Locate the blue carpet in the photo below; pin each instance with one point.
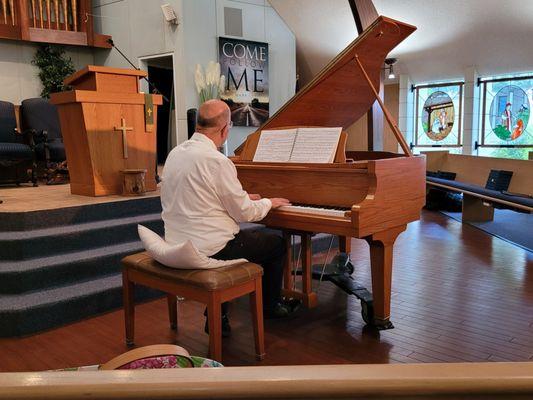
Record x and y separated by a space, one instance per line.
508 225
59 266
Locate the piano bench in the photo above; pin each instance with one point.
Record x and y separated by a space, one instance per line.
209 286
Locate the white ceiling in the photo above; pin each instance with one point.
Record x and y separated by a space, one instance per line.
492 35
322 29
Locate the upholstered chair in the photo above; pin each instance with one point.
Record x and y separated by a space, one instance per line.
17 159
40 117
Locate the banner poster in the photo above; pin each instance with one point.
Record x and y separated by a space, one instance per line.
245 67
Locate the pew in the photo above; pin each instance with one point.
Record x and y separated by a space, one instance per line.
472 173
377 381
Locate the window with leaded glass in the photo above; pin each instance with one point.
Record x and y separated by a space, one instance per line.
438 115
506 129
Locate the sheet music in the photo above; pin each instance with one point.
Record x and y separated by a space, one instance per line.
275 146
315 145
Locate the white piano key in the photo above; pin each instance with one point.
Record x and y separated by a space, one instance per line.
313 210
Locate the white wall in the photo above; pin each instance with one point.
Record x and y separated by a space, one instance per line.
18 77
138 28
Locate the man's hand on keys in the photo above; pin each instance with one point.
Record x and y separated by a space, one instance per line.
279 202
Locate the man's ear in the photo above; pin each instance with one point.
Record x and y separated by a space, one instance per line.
225 133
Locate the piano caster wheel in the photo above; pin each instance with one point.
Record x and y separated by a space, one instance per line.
367 312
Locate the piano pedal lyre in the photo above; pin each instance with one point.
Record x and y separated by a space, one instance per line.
339 272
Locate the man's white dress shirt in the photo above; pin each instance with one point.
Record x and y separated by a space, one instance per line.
202 198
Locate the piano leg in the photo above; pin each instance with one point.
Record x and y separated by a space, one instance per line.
308 297
288 277
381 250
345 244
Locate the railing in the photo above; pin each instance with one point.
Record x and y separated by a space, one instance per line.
7 13
53 15
396 381
50 21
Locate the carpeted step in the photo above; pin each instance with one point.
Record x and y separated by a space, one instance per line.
61 269
64 239
33 312
42 219
65 273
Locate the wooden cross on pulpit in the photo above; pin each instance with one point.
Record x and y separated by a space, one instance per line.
124 130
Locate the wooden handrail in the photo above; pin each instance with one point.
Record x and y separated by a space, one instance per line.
391 381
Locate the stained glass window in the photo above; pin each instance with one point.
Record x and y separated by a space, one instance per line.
439 115
506 128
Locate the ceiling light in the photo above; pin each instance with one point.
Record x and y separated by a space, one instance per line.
390 62
391 73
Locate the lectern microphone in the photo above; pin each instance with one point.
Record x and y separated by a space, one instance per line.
150 84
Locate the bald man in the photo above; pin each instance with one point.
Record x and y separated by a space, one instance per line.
204 201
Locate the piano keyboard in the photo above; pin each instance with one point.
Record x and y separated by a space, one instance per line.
316 210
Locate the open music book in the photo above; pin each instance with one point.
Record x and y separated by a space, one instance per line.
299 145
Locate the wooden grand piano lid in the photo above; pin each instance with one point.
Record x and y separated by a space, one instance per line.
339 95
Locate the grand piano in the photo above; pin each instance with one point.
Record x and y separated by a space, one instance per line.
366 195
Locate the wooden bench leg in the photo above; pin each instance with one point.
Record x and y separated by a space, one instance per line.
172 301
256 304
474 210
128 292
214 317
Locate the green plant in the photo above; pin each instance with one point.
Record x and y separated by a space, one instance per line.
54 67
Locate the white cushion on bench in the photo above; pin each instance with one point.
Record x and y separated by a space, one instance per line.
181 256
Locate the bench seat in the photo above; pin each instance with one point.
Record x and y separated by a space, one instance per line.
524 203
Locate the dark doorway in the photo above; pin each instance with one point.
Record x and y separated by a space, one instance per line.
160 73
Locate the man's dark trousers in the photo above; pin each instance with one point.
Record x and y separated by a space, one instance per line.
266 249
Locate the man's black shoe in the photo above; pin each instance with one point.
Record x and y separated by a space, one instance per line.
226 328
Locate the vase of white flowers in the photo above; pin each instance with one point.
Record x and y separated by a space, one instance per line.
211 85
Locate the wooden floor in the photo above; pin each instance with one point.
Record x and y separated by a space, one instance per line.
458 295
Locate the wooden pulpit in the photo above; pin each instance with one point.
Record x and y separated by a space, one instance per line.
108 126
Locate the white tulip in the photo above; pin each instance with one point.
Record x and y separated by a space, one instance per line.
222 84
199 79
216 74
210 73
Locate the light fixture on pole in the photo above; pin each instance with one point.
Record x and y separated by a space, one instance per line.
390 62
